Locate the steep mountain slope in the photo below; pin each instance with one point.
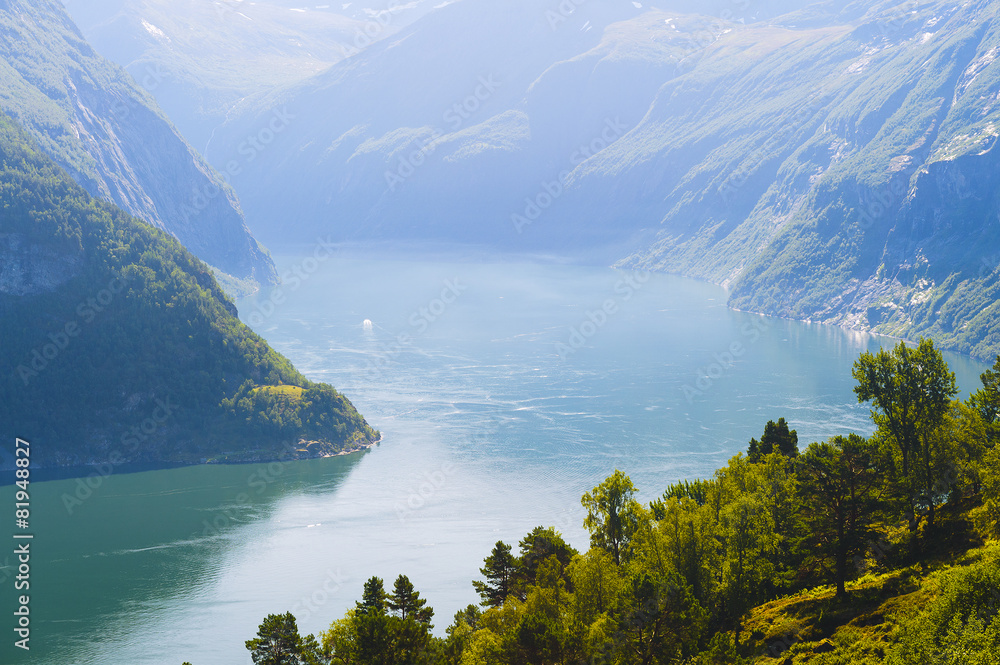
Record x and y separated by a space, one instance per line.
118 344
210 55
108 134
842 174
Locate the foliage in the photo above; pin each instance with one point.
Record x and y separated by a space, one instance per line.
612 515
500 571
800 557
961 625
986 400
407 602
910 391
777 438
838 484
278 643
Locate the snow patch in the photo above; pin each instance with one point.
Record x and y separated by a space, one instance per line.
154 31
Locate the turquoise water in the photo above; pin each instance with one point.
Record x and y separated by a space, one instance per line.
504 389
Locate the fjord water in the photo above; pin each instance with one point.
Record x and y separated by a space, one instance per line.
504 389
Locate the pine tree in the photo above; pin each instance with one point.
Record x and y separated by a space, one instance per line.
407 603
372 624
499 571
778 438
277 642
839 488
373 599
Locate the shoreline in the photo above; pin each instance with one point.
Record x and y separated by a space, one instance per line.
43 474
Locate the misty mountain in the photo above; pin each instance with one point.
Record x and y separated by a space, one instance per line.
442 130
107 132
832 163
202 58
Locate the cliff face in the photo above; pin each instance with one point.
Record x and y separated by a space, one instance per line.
877 208
108 134
30 269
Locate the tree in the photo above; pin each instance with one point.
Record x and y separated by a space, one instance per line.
684 539
838 483
777 438
661 622
373 638
747 529
539 545
373 598
499 571
910 391
340 640
987 516
407 603
459 632
986 400
612 514
597 584
278 643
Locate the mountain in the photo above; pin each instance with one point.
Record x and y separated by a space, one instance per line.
828 162
109 135
202 58
442 130
119 345
840 169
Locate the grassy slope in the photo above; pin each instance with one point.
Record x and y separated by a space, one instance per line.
866 627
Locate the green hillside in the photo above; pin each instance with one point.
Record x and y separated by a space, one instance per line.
118 343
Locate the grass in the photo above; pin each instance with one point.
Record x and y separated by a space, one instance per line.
293 392
814 626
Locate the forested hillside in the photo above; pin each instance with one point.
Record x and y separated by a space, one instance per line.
119 345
